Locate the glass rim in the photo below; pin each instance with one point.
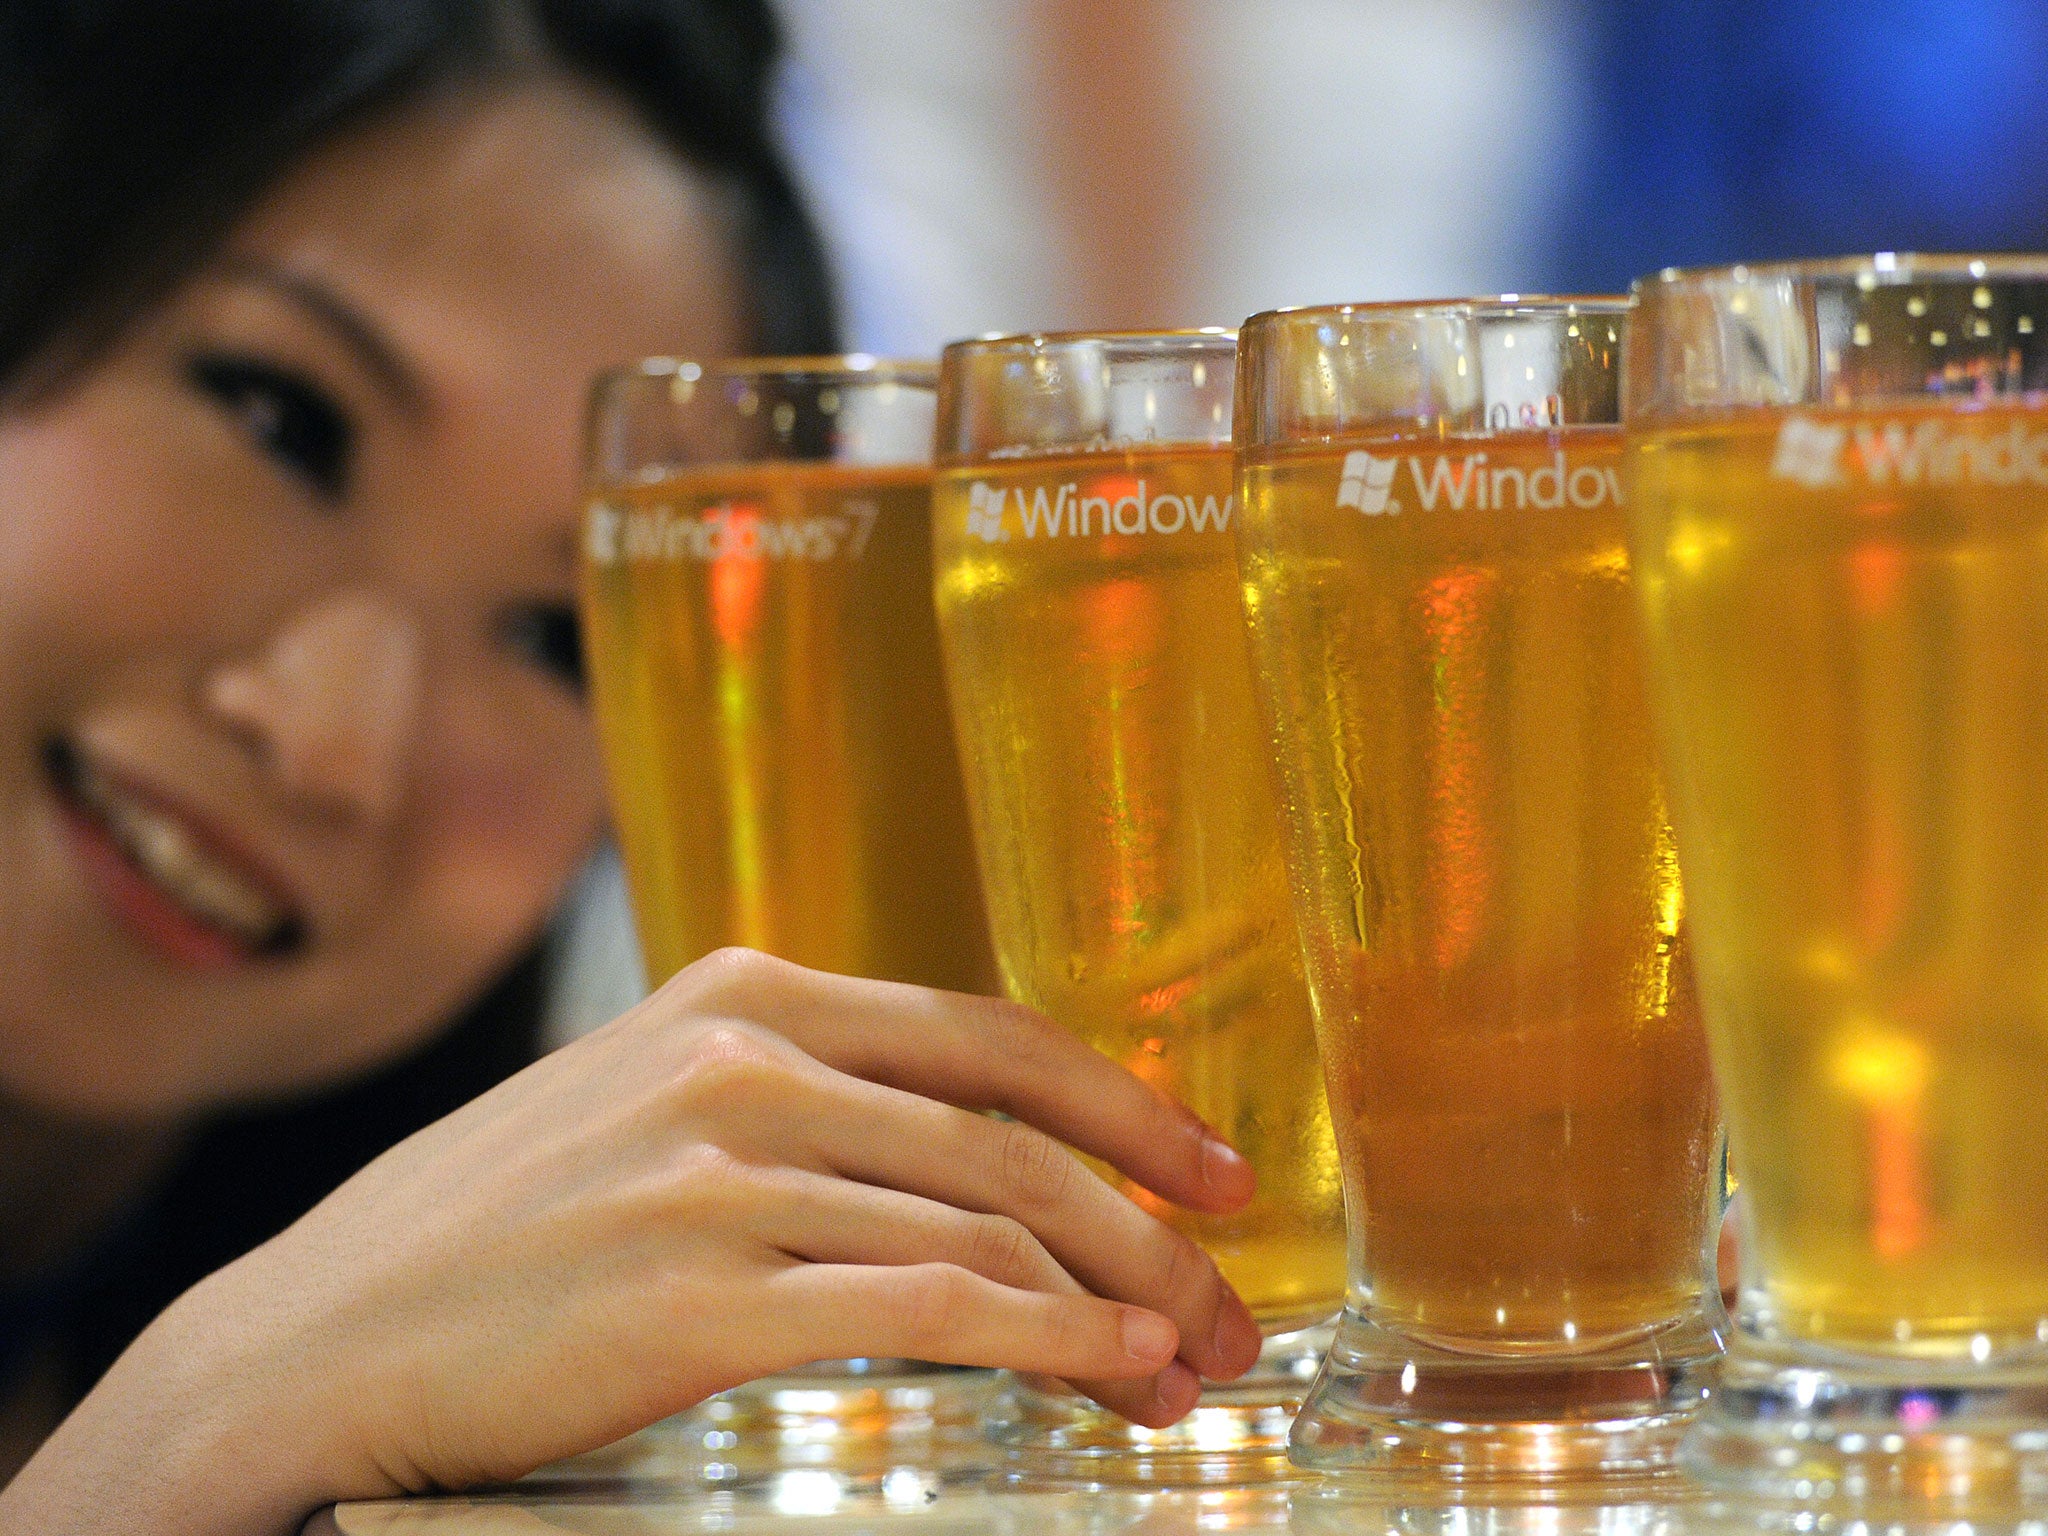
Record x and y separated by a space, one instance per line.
839 367
1883 266
1497 304
1018 341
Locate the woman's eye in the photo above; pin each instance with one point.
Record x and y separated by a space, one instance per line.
291 418
548 636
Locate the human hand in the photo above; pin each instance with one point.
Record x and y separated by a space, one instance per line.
759 1167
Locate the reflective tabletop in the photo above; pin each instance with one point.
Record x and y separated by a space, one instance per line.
809 1508
685 1476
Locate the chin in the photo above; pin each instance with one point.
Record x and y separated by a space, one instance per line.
174 1061
64 1080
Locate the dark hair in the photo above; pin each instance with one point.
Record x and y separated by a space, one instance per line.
134 133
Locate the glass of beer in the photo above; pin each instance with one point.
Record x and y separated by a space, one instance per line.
1438 592
1123 807
764 664
1840 514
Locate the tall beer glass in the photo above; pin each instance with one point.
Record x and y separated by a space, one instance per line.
1439 601
1124 812
765 668
1840 511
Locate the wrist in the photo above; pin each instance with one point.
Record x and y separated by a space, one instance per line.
204 1424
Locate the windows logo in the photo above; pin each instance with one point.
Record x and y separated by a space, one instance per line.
1366 482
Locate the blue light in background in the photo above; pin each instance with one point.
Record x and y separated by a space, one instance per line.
1722 131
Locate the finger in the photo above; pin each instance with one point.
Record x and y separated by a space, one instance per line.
1728 1254
827 1220
1162 1400
979 1053
824 1219
945 1313
884 1136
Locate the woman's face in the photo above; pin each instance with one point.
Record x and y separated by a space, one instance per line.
293 756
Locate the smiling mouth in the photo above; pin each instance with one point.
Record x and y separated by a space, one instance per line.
172 881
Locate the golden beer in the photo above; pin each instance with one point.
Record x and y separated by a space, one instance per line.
1439 597
1838 482
1128 834
1851 612
766 673
1488 888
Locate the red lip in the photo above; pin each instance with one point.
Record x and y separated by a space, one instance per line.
154 917
145 908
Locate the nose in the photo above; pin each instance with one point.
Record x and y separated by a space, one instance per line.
332 703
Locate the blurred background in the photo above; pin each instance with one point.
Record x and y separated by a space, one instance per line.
1034 164
1149 162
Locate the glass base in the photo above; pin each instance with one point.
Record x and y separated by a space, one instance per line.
1405 1413
856 1422
1344 1507
1048 1435
1879 1441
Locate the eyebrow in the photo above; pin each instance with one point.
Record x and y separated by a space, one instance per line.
380 357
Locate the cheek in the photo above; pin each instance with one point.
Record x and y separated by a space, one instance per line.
506 818
126 527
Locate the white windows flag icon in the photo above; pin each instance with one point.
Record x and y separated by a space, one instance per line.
1365 482
985 513
1809 452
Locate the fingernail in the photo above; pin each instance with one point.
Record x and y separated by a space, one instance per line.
1222 1164
1148 1336
1176 1390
